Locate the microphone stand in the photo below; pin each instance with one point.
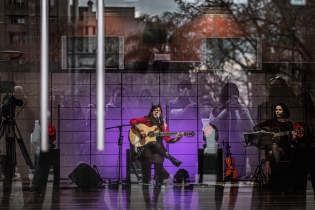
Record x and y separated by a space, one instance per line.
120 142
289 126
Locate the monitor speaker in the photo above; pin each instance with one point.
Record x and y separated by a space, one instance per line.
85 176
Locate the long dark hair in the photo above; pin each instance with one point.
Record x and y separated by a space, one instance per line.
307 101
150 116
224 97
286 112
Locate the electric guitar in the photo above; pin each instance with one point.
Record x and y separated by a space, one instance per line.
152 133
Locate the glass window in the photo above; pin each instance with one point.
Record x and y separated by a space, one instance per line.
51 21
205 62
17 19
51 3
17 2
18 38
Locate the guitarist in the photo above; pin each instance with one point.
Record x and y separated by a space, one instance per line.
153 152
278 151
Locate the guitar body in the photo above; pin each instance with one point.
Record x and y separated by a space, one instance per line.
135 136
152 133
273 131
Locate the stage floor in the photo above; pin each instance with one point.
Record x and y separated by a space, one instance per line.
241 195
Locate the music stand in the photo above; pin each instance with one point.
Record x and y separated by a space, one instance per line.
260 140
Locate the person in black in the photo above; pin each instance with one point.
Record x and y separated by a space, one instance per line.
153 152
25 122
278 151
304 152
281 92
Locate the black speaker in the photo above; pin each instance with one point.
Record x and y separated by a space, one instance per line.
85 176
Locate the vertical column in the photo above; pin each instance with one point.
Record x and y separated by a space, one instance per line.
3 44
76 11
44 70
100 75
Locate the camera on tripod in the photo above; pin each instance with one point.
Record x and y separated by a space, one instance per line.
9 102
9 106
9 128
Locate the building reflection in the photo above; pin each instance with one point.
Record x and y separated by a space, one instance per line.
195 58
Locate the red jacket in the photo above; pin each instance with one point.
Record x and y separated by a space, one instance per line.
164 128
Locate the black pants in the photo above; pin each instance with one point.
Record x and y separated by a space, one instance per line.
275 154
45 160
8 171
304 159
152 154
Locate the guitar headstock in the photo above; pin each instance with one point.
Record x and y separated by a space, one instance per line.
189 134
300 130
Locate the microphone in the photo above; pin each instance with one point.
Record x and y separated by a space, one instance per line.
278 113
158 117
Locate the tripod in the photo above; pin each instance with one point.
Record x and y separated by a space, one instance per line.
8 127
259 173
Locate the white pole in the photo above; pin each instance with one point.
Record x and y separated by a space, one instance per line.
100 76
44 70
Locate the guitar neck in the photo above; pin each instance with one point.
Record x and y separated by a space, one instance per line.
165 133
282 133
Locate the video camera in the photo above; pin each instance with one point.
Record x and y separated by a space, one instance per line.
8 107
9 102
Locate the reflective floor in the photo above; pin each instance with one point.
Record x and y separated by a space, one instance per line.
241 195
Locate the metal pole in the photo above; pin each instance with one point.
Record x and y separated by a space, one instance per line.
168 123
100 75
59 126
44 76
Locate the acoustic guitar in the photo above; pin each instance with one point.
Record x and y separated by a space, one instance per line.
152 133
275 133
